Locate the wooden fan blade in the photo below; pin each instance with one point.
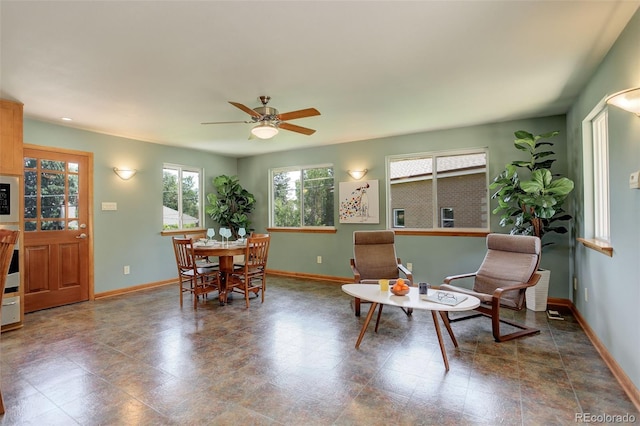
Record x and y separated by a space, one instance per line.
302 113
226 122
246 109
298 129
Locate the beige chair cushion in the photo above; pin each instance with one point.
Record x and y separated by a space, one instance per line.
375 254
520 254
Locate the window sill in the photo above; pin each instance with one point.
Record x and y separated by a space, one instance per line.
305 230
600 246
451 232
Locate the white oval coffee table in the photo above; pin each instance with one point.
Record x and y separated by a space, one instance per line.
373 294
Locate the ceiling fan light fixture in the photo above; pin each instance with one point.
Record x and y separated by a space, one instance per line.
264 130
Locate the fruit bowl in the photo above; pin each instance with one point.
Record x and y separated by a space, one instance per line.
403 284
401 292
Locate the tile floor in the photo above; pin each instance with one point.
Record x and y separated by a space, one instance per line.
139 359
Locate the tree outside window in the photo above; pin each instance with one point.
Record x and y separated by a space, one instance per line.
181 197
302 197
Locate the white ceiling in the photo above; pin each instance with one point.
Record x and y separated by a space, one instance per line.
154 70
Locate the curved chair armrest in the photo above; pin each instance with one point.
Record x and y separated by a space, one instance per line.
448 279
407 273
532 281
356 273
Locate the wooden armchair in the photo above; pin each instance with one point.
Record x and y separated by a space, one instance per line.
374 258
509 267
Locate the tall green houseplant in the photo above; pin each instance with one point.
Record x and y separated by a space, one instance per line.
532 206
231 204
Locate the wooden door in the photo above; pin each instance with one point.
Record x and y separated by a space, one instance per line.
57 237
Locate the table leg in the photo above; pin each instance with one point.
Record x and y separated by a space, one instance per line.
226 269
372 309
378 319
445 320
442 349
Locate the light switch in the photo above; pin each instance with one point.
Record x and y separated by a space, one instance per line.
111 205
634 182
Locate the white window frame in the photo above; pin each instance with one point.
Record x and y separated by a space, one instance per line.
180 168
396 217
444 220
435 155
595 149
296 169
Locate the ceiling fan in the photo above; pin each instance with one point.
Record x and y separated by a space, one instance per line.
269 120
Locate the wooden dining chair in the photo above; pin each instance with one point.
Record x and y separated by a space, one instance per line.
8 240
202 261
252 277
192 278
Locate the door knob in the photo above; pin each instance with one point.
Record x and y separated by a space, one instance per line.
81 236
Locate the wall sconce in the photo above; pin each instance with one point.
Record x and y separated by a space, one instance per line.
628 100
125 174
357 174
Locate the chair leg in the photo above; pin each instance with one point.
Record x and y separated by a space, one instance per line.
356 305
1 404
246 292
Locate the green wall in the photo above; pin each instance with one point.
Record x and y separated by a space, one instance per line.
433 258
613 283
130 235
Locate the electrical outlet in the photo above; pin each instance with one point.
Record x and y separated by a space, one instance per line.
586 294
319 259
126 270
575 283
410 266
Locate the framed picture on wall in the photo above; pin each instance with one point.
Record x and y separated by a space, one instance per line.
359 202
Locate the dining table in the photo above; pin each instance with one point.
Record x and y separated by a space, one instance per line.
225 252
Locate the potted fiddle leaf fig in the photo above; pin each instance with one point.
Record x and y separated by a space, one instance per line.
533 205
231 204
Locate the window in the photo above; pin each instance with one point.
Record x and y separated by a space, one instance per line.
596 173
446 217
181 197
428 187
302 196
398 218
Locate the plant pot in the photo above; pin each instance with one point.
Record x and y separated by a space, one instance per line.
536 296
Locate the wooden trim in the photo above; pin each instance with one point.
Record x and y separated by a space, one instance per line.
627 385
441 232
135 288
600 246
317 277
302 230
189 231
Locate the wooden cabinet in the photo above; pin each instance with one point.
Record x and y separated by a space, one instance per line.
10 138
11 167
